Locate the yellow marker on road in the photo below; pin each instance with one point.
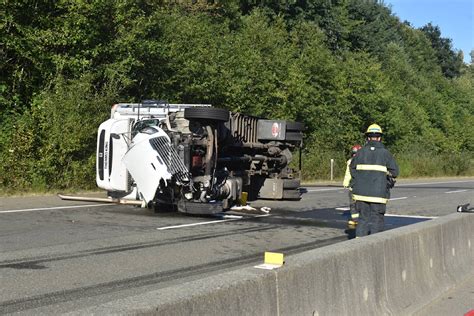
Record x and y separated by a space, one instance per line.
274 258
243 198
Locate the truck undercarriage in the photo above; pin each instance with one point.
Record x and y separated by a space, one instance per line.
195 158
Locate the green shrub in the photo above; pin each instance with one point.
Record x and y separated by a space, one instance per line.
316 164
435 165
52 146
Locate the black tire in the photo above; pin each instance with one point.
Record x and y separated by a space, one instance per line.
164 207
294 136
200 208
205 113
291 195
291 183
294 126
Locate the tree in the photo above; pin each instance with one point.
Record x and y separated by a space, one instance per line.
374 27
450 61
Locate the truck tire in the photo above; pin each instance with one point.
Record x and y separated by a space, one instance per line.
199 208
205 113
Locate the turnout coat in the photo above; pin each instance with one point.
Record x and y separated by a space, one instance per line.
369 170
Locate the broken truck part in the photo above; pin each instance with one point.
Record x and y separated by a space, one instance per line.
195 158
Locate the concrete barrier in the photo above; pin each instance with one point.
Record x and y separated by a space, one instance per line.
396 272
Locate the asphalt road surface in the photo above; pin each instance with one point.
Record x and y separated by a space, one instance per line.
58 256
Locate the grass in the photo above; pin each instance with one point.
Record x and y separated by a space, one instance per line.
421 165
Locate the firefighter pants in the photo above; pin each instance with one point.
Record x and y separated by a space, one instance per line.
352 205
371 218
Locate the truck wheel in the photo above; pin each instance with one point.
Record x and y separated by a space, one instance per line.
163 207
205 113
200 208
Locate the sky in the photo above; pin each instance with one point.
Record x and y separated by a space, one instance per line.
454 18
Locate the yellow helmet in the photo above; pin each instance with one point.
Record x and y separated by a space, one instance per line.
374 129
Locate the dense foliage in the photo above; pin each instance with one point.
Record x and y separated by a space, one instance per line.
336 65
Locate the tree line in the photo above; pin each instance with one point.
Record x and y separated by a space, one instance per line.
336 65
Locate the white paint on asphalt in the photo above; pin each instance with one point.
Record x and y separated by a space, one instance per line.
206 223
51 208
426 183
457 191
346 208
232 217
197 224
322 190
397 186
399 198
309 191
411 216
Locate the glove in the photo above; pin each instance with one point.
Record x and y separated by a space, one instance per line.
390 181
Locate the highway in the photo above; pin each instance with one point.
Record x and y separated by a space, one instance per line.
59 256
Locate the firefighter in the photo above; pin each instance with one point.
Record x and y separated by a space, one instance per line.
373 170
347 183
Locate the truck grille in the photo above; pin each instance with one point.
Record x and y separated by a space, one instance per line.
170 158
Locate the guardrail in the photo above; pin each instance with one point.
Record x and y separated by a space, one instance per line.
395 272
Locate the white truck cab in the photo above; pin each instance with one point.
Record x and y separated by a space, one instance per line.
115 138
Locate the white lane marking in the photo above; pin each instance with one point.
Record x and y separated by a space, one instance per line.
345 208
397 186
321 190
411 216
399 198
206 223
232 217
392 215
411 184
457 191
51 208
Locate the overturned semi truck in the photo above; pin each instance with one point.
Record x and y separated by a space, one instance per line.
195 158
